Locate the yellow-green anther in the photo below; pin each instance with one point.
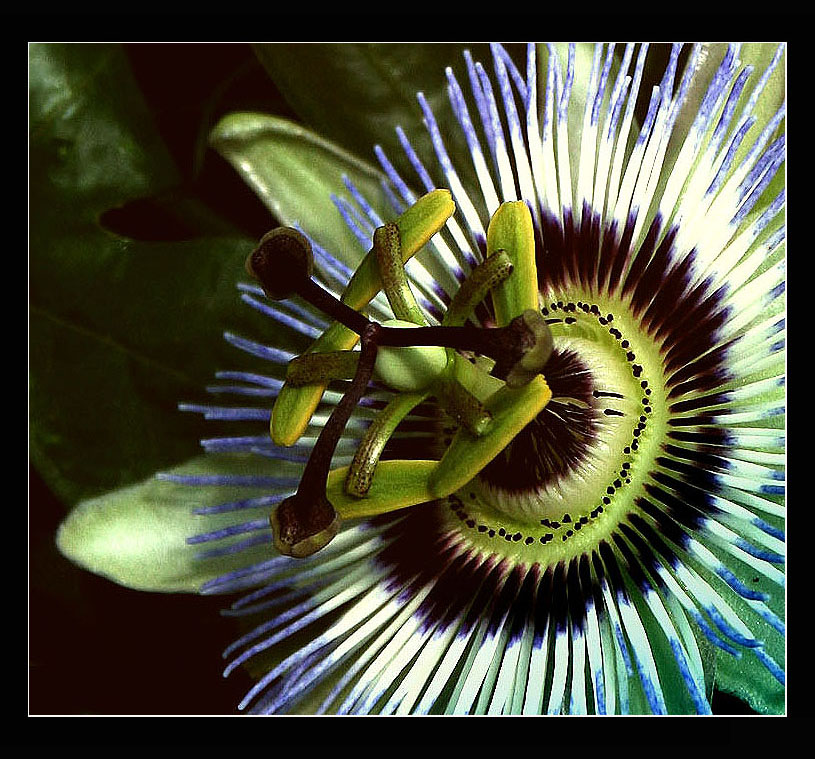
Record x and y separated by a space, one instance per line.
488 274
410 368
361 472
466 456
463 406
388 249
511 230
397 485
416 226
295 405
322 367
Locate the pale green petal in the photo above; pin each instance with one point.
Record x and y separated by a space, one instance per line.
136 536
295 172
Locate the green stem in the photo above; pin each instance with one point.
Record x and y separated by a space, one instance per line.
463 406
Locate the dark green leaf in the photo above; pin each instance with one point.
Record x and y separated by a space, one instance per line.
120 330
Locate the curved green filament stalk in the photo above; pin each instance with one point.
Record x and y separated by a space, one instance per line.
361 471
463 406
388 249
491 272
475 376
511 230
295 405
322 367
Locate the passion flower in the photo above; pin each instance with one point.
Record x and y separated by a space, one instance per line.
594 525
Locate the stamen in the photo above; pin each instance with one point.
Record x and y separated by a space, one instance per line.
521 349
417 225
283 264
306 521
474 289
464 407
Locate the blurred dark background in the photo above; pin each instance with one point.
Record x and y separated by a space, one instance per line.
97 647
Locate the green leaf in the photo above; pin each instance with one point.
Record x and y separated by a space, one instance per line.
136 536
120 330
87 137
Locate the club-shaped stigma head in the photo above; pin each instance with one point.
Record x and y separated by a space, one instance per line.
302 524
282 262
532 345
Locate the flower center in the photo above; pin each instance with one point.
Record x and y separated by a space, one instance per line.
566 480
519 349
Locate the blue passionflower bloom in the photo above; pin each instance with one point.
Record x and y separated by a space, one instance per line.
607 538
